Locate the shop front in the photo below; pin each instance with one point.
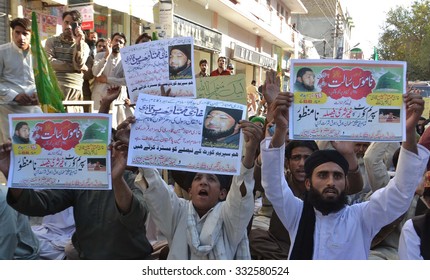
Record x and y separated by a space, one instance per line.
253 64
104 17
4 28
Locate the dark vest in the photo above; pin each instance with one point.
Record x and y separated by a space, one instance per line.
422 227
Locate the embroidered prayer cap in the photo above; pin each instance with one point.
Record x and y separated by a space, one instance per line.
322 156
257 119
185 178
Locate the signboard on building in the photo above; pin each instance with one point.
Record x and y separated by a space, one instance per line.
203 36
249 56
87 13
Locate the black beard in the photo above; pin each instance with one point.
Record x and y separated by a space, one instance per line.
212 135
176 70
326 206
24 140
115 49
311 88
91 43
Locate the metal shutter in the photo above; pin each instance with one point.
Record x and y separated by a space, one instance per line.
4 27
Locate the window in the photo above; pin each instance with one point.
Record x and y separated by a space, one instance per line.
101 20
117 21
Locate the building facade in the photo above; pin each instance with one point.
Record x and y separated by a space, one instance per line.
255 35
328 26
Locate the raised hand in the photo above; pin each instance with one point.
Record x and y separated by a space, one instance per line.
79 33
414 104
414 108
108 50
118 159
280 109
253 134
112 93
122 134
346 148
281 106
272 86
123 194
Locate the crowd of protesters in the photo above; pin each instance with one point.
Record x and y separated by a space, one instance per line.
292 199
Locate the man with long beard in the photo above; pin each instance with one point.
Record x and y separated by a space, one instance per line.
274 242
221 128
22 133
180 62
323 226
108 72
305 80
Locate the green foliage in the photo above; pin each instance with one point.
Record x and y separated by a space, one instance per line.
406 37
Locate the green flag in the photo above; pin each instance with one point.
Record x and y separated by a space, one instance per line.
375 53
48 91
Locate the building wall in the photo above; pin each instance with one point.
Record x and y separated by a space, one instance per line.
318 28
231 35
191 10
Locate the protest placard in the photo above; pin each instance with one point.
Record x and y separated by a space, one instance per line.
199 135
60 151
227 88
167 62
351 100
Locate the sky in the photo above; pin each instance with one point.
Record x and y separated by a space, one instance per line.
368 17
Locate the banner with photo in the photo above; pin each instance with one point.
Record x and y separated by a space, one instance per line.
60 151
187 134
349 100
167 62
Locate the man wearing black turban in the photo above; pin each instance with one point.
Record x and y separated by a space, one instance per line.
221 128
180 62
322 226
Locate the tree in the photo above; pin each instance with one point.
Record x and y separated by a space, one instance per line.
406 37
